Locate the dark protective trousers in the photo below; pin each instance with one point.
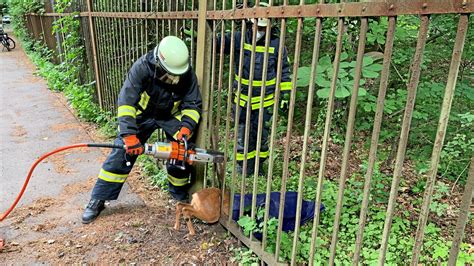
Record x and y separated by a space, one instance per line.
118 164
253 135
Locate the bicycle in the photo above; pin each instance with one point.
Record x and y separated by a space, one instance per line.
7 41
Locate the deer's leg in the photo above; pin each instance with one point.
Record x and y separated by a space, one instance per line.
188 212
179 209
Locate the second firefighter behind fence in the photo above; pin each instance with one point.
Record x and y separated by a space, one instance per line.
257 83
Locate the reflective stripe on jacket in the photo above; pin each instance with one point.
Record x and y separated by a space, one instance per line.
257 82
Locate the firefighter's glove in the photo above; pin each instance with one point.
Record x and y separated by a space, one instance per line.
285 102
133 145
184 132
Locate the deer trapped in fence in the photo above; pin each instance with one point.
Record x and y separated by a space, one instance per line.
205 205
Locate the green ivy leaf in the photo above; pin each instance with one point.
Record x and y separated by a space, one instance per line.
368 60
342 93
322 82
345 65
304 74
374 67
344 56
324 64
369 74
362 92
323 93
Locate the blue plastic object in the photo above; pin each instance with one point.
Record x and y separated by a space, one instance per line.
289 214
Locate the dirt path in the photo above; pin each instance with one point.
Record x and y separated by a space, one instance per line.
46 227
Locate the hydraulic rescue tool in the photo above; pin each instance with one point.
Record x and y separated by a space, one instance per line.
180 153
176 152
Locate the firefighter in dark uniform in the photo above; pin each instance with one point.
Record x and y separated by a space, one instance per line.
160 91
270 85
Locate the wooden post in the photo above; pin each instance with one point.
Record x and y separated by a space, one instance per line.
94 53
203 63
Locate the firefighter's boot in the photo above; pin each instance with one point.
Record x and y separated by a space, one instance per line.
92 210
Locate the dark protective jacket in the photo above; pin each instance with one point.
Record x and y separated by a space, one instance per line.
257 83
145 97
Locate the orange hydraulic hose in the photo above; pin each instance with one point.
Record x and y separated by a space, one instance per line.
25 184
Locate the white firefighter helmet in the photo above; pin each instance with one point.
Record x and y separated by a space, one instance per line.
262 22
172 54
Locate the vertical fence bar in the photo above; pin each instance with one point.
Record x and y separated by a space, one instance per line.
58 41
281 47
118 52
107 40
463 215
104 53
441 133
169 20
115 52
131 33
146 26
260 121
219 84
155 9
229 114
183 21
162 21
107 47
128 35
43 35
192 34
100 57
248 116
296 63
176 3
123 44
237 111
412 86
348 139
121 47
221 171
210 126
285 164
136 26
112 55
63 37
139 24
375 135
237 116
327 129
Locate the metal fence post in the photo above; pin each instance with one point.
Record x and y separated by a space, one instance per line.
203 63
463 215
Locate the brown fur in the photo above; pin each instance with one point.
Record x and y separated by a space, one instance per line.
205 205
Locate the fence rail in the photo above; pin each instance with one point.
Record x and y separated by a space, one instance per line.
116 33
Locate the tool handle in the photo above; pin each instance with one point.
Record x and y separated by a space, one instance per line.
106 145
185 157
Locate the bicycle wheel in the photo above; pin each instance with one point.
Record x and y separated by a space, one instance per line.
11 43
6 44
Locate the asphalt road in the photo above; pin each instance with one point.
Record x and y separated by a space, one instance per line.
33 121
